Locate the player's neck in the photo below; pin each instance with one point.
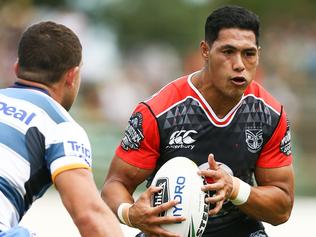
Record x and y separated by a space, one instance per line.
55 90
220 104
32 85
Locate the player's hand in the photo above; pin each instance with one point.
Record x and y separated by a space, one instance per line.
146 218
221 185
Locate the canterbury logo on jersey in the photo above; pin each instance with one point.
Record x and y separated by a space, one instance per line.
182 139
16 113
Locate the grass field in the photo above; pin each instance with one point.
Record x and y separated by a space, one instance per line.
48 218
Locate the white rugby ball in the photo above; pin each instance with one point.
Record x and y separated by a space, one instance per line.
179 181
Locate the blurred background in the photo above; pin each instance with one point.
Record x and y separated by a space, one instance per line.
131 48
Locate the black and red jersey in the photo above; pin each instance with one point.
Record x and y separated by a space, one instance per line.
177 121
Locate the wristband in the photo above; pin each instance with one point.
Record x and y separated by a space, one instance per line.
243 192
123 213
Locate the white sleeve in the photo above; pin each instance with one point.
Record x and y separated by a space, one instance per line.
67 147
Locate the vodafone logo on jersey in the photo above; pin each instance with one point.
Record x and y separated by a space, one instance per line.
182 139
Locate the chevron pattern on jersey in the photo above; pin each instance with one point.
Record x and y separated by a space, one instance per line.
253 113
188 112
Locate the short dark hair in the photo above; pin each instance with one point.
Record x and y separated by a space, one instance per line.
46 51
231 17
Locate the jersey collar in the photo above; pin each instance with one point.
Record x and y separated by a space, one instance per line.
25 86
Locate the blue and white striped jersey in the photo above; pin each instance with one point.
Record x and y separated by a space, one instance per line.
38 140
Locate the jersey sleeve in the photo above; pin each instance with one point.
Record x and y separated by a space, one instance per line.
278 151
67 148
140 144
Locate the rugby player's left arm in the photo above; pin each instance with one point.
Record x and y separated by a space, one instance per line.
272 200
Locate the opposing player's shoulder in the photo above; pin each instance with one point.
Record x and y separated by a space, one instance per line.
72 138
259 92
179 181
68 148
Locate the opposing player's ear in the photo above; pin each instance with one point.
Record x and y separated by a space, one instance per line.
16 67
205 49
71 76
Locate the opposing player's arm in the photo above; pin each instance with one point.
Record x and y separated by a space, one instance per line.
272 200
82 200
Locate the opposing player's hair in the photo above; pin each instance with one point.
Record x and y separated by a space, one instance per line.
231 17
46 51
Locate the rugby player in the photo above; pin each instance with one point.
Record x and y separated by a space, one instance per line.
40 143
226 123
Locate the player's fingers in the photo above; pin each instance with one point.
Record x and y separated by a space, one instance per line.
209 173
162 232
212 163
215 198
169 220
150 191
216 209
213 186
153 189
157 231
164 206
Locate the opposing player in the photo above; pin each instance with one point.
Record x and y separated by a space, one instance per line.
230 126
40 143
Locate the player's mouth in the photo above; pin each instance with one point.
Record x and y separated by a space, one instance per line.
239 81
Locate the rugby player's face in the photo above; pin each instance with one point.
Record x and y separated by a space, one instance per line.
232 60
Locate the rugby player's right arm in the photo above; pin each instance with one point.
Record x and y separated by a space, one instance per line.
120 184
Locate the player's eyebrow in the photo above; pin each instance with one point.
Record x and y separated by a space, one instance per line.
229 46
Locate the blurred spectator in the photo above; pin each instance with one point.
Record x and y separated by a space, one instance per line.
192 62
155 64
13 17
89 107
114 82
280 89
119 95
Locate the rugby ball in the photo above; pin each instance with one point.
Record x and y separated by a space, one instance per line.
179 181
